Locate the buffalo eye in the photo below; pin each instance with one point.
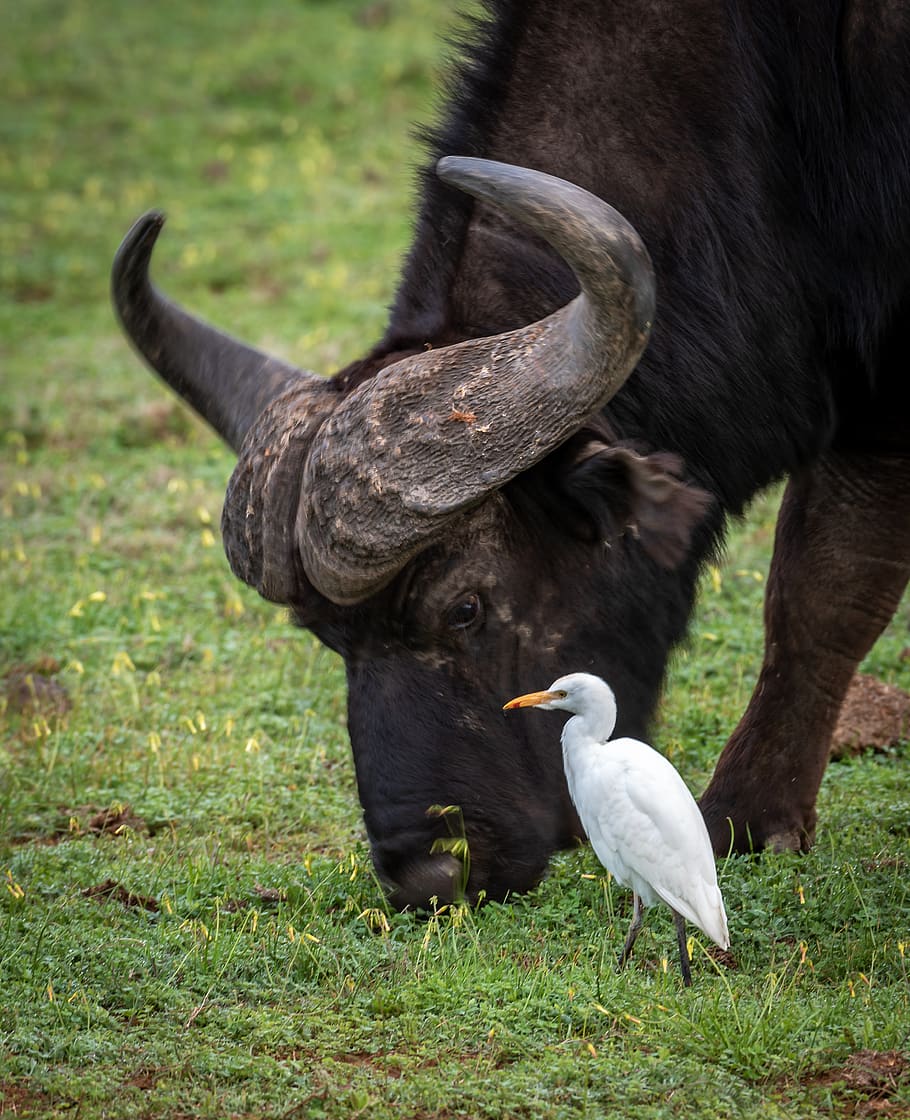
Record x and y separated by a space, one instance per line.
464 613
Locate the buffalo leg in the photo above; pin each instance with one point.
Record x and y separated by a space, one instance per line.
841 563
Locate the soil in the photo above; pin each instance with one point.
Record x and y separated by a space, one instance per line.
874 716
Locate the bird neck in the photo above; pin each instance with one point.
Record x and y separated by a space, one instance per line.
594 728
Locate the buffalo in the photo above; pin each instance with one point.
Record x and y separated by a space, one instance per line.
526 474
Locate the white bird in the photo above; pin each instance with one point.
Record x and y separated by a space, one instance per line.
639 815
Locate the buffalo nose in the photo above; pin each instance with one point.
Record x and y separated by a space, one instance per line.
439 877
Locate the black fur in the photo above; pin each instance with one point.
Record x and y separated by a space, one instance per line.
762 150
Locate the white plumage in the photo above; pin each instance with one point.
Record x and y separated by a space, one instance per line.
639 815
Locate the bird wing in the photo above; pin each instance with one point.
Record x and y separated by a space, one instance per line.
646 828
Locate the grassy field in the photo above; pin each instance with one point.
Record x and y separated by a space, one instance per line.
189 926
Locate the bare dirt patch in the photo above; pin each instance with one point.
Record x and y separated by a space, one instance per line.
874 716
866 1083
268 896
723 957
32 690
19 1099
113 821
87 820
111 889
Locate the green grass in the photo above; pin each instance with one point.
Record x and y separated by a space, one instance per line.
226 951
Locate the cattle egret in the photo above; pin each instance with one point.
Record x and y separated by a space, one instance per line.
640 817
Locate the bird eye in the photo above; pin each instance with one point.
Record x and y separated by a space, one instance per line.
464 613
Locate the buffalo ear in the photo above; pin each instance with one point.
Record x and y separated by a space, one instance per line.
622 491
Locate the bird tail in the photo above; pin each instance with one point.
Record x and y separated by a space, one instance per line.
708 913
716 927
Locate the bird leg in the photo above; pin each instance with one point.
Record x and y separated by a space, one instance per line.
634 929
682 941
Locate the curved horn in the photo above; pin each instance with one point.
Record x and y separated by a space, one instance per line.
265 409
225 381
431 436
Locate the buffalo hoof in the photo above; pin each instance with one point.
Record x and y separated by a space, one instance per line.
790 840
733 831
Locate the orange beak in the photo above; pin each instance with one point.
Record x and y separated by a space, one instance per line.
531 700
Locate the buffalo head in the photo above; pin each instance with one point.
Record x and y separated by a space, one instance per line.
456 526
